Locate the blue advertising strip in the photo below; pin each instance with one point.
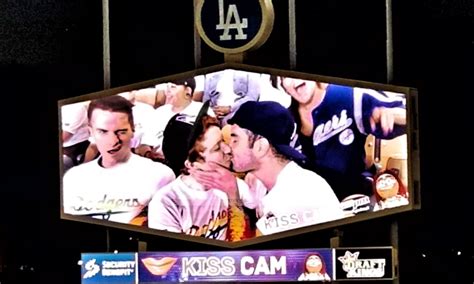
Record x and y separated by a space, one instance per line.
116 268
364 263
236 266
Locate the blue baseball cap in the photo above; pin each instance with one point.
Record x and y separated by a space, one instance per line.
272 121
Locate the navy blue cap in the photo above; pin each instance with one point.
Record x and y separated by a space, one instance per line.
272 121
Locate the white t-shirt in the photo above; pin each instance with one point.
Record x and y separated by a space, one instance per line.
153 135
184 206
117 194
299 198
74 120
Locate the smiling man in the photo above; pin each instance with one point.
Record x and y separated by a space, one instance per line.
118 185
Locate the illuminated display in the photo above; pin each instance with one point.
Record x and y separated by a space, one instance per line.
236 154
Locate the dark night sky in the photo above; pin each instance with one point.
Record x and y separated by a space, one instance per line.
50 50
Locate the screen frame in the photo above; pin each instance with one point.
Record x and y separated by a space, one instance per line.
413 160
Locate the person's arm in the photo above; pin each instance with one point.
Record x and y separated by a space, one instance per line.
142 149
66 135
386 119
382 115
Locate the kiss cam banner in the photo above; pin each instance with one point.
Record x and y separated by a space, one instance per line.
236 266
114 268
340 264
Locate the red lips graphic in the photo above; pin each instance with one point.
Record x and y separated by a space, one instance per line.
159 267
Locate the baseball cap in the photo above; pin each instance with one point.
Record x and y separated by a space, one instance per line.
272 121
179 136
188 82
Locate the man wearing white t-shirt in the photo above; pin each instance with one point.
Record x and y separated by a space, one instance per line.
261 133
118 185
178 100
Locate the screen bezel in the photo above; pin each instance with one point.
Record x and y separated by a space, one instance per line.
413 186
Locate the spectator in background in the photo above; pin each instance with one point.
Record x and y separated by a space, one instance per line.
179 95
334 122
118 185
74 133
227 90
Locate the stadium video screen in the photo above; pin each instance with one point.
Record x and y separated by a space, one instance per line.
236 154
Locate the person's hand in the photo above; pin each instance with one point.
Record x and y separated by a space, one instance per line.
221 111
387 117
217 177
155 156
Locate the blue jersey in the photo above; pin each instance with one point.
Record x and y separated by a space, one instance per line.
341 125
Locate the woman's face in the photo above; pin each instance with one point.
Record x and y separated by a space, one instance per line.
301 90
314 264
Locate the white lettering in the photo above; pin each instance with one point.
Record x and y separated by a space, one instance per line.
227 25
263 266
117 272
243 268
335 125
118 264
207 266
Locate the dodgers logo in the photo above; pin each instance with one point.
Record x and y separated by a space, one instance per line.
238 24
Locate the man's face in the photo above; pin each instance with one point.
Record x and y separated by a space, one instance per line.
174 91
301 90
215 150
112 133
243 158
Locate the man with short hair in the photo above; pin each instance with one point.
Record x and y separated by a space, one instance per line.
118 185
261 134
185 205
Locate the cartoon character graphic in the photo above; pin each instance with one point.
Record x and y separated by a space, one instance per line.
389 191
315 269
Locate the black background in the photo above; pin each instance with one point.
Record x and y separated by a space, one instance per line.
51 49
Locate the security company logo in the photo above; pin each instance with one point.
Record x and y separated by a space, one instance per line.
108 268
362 268
91 269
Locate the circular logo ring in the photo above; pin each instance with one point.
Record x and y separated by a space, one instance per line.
265 26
